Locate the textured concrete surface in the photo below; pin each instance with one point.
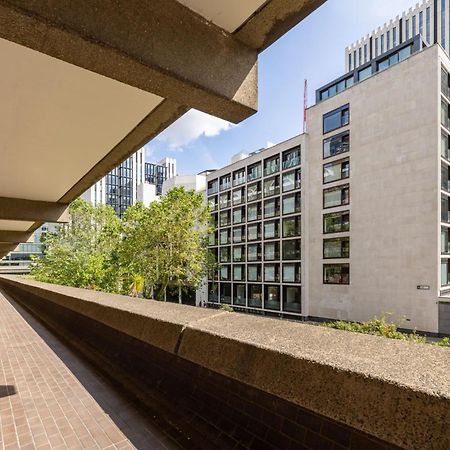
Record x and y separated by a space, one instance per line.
396 391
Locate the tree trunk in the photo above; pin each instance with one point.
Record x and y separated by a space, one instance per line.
179 295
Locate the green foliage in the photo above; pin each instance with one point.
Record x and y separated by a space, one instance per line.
82 253
381 327
137 285
226 308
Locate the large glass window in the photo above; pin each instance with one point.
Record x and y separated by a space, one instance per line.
271 229
254 252
445 177
272 186
225 273
225 236
445 276
445 208
254 272
225 182
239 215
407 29
225 200
292 273
336 248
225 293
443 26
271 208
254 192
445 147
365 73
271 273
239 177
225 218
254 171
239 272
238 196
213 292
291 180
254 211
428 26
292 250
292 203
255 295
445 247
335 171
212 202
213 238
225 254
292 299
445 83
271 165
239 294
336 274
292 226
213 187
336 119
239 234
291 158
239 253
337 196
254 232
336 222
395 58
272 297
271 251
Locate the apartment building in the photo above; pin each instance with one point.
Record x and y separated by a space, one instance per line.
350 220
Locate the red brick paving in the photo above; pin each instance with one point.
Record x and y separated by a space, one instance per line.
51 399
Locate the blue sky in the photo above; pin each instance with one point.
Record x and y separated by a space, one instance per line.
314 50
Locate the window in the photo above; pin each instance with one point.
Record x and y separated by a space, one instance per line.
388 40
212 201
213 187
336 222
254 252
336 144
225 293
271 208
336 119
292 273
421 23
254 192
213 293
225 237
292 180
335 171
238 177
292 226
225 254
336 274
254 211
382 44
336 88
349 61
394 37
271 273
238 196
225 200
407 29
272 186
404 53
428 25
445 246
271 165
239 294
255 295
291 158
414 25
445 208
239 215
445 114
225 273
365 53
254 232
445 176
272 297
354 58
239 234
376 46
292 299
271 229
254 272
292 203
337 196
336 248
443 24
238 272
271 251
225 182
292 250
365 73
254 172
225 218
359 56
213 238
445 148
445 83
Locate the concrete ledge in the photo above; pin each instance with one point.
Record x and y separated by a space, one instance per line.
396 391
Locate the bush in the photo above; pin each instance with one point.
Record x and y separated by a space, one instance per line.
226 308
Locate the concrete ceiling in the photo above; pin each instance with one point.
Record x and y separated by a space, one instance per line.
85 84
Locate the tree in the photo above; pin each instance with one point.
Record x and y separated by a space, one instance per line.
166 243
83 253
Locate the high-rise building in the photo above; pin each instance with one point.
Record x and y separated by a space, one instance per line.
352 219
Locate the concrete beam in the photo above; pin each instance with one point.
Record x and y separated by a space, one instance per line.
14 237
273 20
159 46
5 248
33 210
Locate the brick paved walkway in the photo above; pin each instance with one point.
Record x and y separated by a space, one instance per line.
51 399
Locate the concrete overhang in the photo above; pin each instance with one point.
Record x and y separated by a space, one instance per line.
85 84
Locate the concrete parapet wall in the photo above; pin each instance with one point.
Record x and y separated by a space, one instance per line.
396 393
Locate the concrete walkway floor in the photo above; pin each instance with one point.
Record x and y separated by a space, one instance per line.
51 399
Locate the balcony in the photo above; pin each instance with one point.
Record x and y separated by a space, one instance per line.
176 362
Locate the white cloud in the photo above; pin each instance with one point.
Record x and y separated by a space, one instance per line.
269 144
192 126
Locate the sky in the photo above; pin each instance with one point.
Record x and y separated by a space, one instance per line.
313 50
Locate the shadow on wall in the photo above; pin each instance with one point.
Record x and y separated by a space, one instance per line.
6 391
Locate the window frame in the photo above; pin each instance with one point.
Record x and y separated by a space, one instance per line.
340 110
